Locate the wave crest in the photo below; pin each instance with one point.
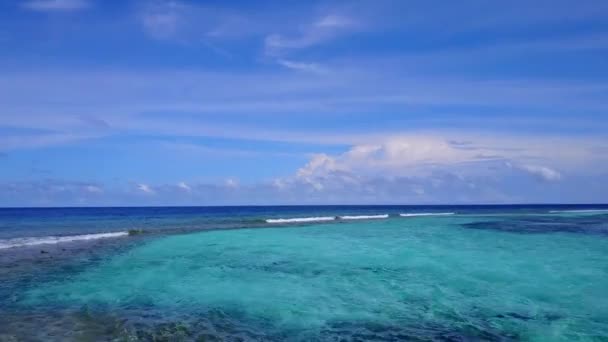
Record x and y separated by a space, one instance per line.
363 217
45 240
301 219
425 214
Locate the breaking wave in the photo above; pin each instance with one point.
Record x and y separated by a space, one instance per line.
301 219
44 240
326 218
363 217
425 214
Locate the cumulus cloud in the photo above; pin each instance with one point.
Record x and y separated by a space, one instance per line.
429 168
416 155
398 156
439 186
56 5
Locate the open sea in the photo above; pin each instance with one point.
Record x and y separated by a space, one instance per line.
305 273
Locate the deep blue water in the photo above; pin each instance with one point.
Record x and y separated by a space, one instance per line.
31 222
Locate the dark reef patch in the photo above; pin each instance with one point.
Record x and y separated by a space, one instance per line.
596 225
221 325
420 331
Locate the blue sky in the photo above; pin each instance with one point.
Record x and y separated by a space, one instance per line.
302 102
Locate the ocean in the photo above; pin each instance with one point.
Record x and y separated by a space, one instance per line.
305 273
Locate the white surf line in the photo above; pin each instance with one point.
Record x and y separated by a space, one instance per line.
45 240
425 214
579 211
362 217
301 219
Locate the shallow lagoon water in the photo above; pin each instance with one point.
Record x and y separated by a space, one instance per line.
449 278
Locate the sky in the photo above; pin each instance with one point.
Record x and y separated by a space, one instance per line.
134 103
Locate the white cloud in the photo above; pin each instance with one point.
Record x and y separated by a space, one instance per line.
279 183
401 155
320 162
427 159
321 30
336 21
301 66
56 5
93 189
542 172
184 186
145 188
232 183
320 168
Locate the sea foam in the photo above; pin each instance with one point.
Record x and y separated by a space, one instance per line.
44 240
425 214
363 217
301 219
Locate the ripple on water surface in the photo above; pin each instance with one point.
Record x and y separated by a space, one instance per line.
425 278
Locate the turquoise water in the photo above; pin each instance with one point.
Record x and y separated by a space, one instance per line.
537 277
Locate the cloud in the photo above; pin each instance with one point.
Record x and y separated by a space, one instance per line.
350 187
184 186
301 66
322 30
56 5
542 172
93 189
406 169
232 183
335 21
358 88
162 20
145 188
334 186
400 155
430 166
